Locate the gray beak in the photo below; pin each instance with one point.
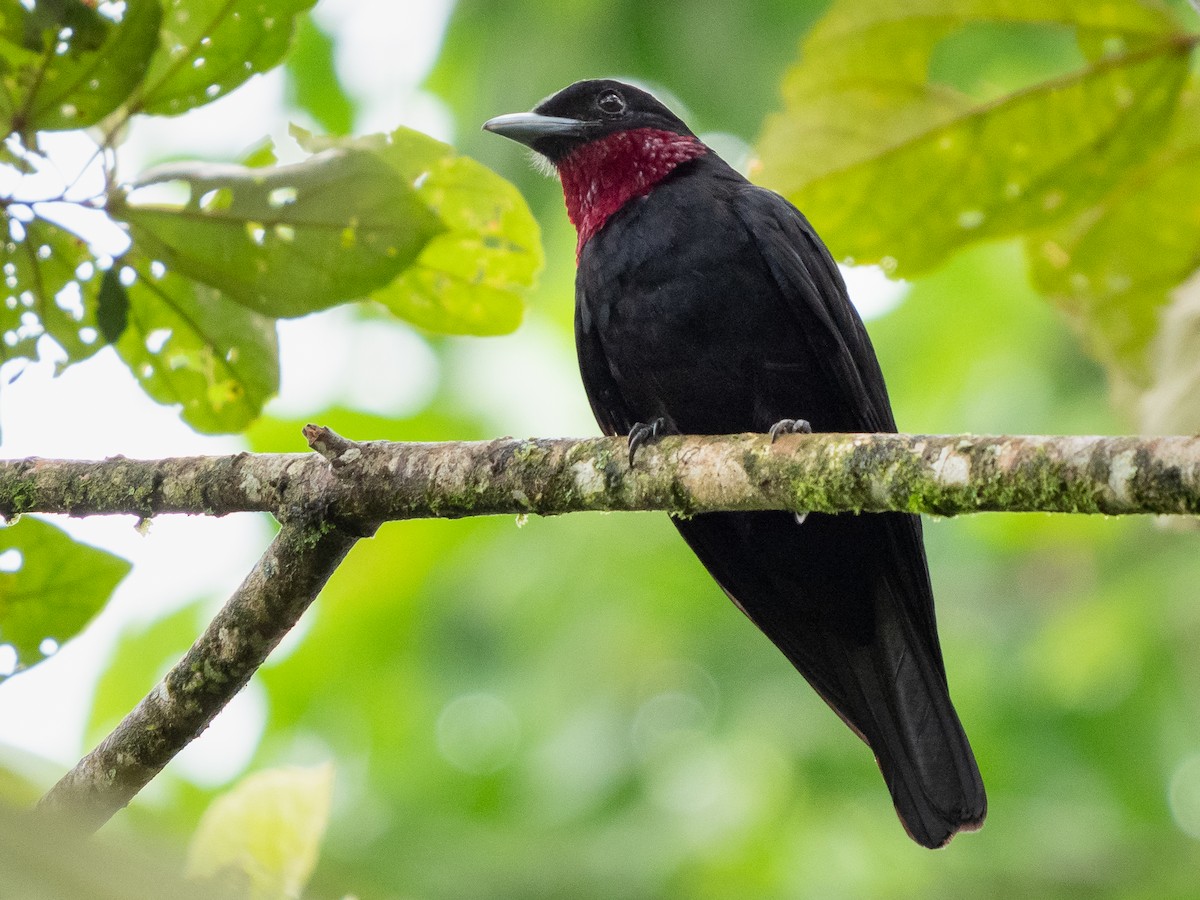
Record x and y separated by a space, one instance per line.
525 128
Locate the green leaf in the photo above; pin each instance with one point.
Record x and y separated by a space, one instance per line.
472 278
265 832
896 170
20 162
26 27
71 68
209 47
286 240
50 284
312 81
50 587
112 307
1113 268
188 344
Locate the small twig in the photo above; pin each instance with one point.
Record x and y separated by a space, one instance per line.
264 608
338 450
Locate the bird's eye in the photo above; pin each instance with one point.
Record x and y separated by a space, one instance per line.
611 102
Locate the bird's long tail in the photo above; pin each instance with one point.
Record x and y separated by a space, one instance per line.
895 699
847 600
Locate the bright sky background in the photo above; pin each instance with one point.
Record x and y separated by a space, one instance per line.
96 409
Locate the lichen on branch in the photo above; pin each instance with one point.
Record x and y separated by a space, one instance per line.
377 481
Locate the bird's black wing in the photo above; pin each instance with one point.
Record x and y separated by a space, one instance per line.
846 598
813 292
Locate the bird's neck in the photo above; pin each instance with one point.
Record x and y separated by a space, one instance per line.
600 177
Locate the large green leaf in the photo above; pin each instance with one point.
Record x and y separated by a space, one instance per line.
471 278
265 832
843 108
1113 267
892 168
69 66
209 47
286 240
188 344
50 285
50 587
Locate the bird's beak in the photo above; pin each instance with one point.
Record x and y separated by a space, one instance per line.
525 128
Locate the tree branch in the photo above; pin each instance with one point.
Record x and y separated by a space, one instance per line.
328 499
264 608
943 475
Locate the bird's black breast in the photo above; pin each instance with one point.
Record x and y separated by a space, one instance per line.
680 316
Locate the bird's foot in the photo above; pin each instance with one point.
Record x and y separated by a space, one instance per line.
642 433
789 426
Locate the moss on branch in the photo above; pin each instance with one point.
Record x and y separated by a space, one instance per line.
377 481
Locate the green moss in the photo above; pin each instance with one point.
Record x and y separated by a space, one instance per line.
23 498
213 675
141 497
680 500
526 452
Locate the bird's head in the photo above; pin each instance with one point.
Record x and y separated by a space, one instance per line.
609 143
586 112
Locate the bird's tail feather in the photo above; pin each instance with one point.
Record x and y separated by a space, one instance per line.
899 704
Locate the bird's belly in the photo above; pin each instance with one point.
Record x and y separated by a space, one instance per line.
707 361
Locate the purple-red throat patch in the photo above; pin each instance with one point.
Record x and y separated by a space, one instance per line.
602 176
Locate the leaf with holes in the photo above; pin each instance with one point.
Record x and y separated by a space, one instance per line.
50 587
286 240
188 344
266 831
891 168
473 277
209 47
50 284
71 71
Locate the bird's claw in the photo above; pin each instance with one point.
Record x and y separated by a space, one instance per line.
789 426
641 433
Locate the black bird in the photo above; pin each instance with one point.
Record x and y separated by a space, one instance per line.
707 305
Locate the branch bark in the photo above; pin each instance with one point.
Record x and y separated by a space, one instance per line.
942 475
286 579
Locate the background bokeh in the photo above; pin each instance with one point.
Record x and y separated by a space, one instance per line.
570 707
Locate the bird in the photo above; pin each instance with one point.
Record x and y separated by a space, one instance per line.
707 305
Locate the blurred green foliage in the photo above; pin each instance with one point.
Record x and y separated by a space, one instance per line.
445 243
1077 146
50 588
572 708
